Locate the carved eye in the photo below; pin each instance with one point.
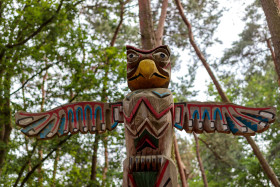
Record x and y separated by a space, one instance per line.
132 57
160 56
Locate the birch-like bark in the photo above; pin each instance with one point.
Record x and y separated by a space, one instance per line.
267 169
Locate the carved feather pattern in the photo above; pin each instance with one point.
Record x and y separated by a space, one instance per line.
224 118
74 117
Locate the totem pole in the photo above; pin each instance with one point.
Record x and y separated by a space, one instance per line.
149 114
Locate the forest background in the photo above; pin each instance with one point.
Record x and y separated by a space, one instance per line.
56 52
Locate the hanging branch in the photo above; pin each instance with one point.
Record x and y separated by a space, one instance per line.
26 163
267 169
113 41
38 30
180 164
214 152
199 54
45 158
48 155
200 161
33 76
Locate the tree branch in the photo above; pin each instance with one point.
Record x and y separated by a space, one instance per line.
45 158
266 167
199 54
38 30
181 167
273 56
200 161
160 27
32 77
112 43
214 152
26 163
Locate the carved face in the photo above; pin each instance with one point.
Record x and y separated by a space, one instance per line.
148 68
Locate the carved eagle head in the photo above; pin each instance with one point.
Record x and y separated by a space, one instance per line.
148 68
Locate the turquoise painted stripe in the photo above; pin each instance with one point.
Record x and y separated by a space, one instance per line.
195 112
77 113
71 111
88 107
178 126
61 126
215 113
231 125
254 127
46 130
114 125
207 113
161 95
37 123
257 117
95 112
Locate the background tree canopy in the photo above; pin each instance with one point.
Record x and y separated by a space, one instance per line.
58 51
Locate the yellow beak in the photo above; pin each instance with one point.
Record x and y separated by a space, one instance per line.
147 68
147 76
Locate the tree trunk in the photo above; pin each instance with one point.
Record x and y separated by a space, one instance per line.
160 27
271 9
106 165
40 170
94 158
267 169
5 115
149 37
200 161
270 173
55 167
180 163
146 24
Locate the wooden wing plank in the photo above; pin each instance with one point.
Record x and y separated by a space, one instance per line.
76 117
222 117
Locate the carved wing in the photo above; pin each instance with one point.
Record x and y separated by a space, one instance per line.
73 117
221 117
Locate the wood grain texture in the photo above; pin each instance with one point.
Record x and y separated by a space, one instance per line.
222 117
148 118
71 118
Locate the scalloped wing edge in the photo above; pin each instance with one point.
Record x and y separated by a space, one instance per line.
212 117
71 118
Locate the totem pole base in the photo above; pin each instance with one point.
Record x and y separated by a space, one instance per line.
149 171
